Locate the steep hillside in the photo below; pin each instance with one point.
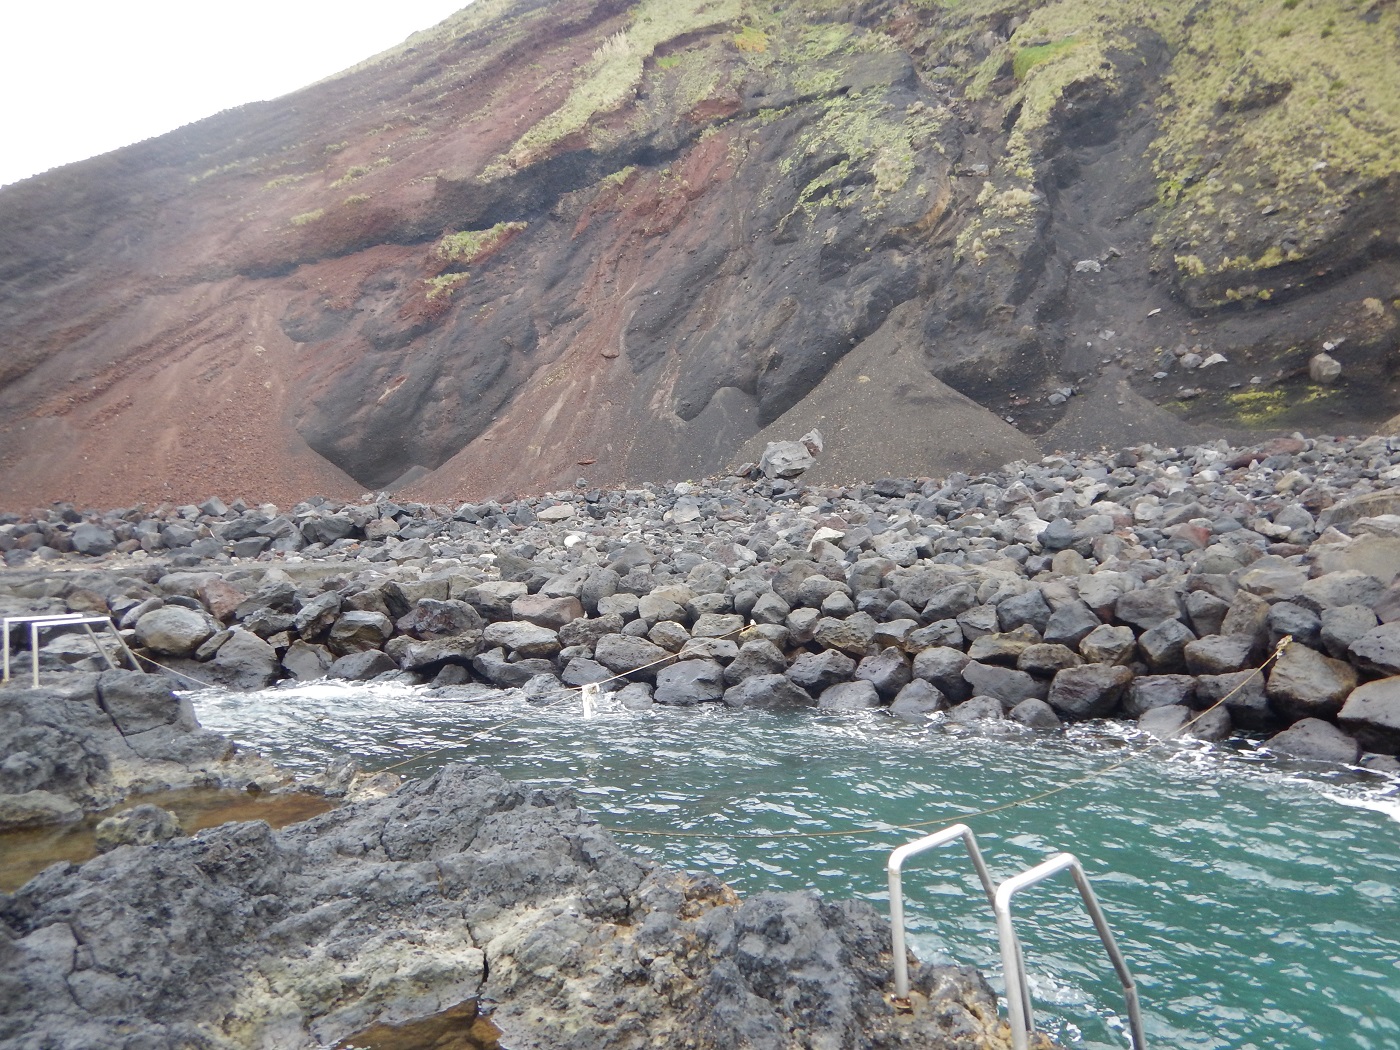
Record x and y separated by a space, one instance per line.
592 238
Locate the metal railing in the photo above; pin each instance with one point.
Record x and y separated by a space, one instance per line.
1018 997
37 624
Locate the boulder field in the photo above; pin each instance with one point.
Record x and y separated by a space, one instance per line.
1145 584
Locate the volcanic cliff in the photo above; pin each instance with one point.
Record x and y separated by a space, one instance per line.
629 241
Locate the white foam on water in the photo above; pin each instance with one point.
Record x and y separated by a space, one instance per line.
1389 806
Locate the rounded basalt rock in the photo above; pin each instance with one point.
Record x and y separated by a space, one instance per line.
1090 691
767 691
1305 684
173 631
888 671
1035 714
942 666
1372 714
757 656
361 666
1151 691
816 672
1109 645
1007 685
624 655
978 709
917 701
358 631
689 682
1313 739
522 638
849 696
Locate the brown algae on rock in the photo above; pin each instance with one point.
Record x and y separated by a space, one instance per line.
26 852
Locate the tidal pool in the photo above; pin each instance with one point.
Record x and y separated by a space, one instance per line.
1258 903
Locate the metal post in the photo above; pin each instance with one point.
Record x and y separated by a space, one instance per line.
34 650
1017 995
98 645
121 642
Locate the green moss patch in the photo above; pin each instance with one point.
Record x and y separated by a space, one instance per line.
611 78
467 247
1027 58
444 284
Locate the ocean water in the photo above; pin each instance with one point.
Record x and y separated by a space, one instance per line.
1258 904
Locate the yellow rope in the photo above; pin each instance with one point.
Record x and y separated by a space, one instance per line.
830 833
564 695
962 816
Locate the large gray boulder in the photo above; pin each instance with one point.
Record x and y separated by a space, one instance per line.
173 630
1242 693
358 630
92 540
849 696
1035 714
1221 653
1372 714
1163 647
917 700
622 654
1148 691
888 671
978 709
1315 740
689 682
1091 691
1174 721
361 666
769 691
758 656
789 459
434 617
1007 685
1379 649
1305 684
244 661
522 638
816 672
942 666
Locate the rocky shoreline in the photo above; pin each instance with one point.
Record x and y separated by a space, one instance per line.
456 889
1142 584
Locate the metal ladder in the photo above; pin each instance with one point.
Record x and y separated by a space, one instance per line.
1018 996
42 623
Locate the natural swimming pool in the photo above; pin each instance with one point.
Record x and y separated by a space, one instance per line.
1258 904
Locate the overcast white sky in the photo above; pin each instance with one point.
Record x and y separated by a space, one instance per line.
82 77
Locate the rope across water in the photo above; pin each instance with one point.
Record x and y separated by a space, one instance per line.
565 695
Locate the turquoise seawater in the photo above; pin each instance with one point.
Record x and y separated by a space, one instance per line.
1258 904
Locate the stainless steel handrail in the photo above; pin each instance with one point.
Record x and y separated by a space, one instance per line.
895 868
5 631
1017 996
39 623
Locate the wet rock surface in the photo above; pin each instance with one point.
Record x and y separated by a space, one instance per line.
463 886
85 741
